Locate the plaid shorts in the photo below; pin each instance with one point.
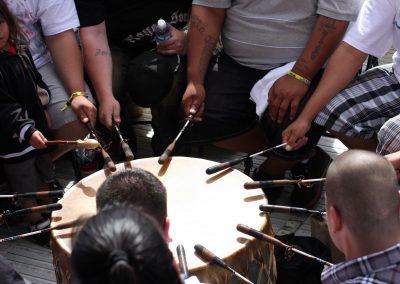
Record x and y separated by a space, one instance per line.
365 105
389 136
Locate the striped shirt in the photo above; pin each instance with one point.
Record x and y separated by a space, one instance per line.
381 267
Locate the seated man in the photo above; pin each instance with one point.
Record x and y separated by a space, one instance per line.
362 205
355 109
122 245
258 37
139 188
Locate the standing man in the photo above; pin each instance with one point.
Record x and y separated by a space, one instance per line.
258 37
117 37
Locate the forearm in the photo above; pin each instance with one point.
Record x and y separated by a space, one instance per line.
67 58
97 59
325 37
204 29
341 69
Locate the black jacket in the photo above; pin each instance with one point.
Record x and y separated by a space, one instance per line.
19 106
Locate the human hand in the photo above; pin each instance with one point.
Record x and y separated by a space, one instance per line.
193 101
37 140
295 133
394 158
176 44
285 95
84 109
109 110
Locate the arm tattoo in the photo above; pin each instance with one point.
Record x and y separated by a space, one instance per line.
326 27
100 52
209 42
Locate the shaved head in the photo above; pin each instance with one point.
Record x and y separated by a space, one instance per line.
363 187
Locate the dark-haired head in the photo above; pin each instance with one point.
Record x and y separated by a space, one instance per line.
122 245
135 187
7 16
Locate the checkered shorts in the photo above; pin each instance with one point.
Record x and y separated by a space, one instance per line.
389 136
365 105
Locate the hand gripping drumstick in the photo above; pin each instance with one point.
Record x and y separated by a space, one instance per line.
167 152
89 144
280 182
109 162
124 145
39 194
258 235
36 209
212 258
45 230
183 268
225 165
289 210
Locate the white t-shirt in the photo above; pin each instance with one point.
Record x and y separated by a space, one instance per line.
43 17
377 29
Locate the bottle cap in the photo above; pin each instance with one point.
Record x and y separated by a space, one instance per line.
161 24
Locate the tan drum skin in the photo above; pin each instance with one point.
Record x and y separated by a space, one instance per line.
203 209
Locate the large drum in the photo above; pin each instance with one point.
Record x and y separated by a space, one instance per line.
203 209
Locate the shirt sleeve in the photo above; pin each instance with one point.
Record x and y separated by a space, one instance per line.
343 10
213 3
372 33
57 16
90 12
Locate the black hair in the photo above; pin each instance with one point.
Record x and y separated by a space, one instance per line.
15 31
136 187
122 245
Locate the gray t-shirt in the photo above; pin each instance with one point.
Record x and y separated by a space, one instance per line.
264 34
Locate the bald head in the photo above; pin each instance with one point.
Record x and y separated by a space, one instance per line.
363 187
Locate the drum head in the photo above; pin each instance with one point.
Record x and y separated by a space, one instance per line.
203 209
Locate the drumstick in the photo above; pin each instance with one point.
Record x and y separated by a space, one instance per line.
124 145
39 194
225 165
167 152
212 258
261 236
109 162
280 182
289 210
89 144
183 268
45 230
36 209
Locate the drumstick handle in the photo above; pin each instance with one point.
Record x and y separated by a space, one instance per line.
107 159
127 151
57 142
53 193
268 183
36 209
258 235
210 257
225 165
167 152
288 210
180 250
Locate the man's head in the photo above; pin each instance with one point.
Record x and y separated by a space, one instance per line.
135 187
362 201
122 245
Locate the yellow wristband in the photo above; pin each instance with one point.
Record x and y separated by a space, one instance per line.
71 97
300 78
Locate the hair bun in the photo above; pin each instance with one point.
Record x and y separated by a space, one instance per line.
117 256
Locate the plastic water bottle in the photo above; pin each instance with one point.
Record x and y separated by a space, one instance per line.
162 31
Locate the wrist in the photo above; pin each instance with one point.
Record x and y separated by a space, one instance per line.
299 77
72 97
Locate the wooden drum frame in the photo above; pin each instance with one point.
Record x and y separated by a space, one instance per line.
203 209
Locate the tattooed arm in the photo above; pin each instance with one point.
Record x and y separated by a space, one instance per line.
342 67
287 92
204 29
98 63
